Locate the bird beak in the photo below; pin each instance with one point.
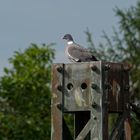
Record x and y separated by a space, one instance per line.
63 37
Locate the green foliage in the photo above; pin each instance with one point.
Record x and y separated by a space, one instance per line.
25 95
123 46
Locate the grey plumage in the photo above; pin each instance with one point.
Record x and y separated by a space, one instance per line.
76 53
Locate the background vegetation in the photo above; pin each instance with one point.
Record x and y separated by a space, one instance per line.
25 95
124 46
25 87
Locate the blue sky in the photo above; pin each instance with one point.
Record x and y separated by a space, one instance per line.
44 21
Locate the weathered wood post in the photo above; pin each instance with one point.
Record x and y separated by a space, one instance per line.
91 91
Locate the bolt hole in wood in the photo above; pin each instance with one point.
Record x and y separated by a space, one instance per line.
83 85
69 86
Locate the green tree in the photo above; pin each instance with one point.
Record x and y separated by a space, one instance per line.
25 95
123 46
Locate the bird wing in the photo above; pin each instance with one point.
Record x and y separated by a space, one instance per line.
79 54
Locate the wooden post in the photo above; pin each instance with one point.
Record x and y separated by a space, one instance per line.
90 91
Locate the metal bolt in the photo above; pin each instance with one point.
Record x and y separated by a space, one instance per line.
94 105
107 67
94 68
59 106
95 118
59 87
59 69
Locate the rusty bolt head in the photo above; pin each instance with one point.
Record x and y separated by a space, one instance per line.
59 106
107 67
94 105
94 117
107 86
59 69
94 68
59 87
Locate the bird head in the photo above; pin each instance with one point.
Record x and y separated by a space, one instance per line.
68 37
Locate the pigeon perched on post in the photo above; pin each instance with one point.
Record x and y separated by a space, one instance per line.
75 52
